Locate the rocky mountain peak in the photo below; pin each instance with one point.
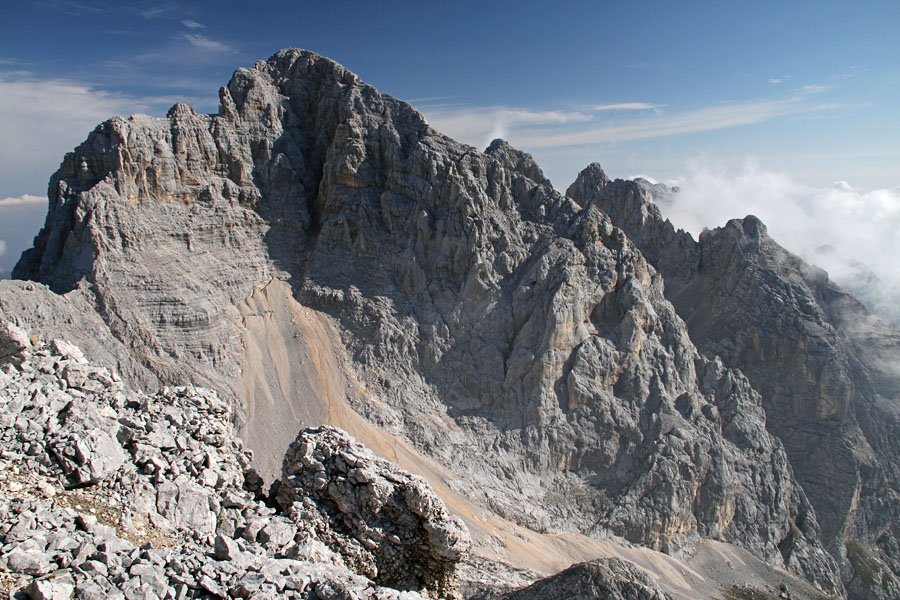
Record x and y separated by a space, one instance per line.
516 160
801 341
748 233
316 253
590 180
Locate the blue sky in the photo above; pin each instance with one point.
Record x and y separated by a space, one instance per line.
807 89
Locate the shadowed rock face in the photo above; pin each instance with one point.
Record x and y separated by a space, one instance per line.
610 579
827 370
486 316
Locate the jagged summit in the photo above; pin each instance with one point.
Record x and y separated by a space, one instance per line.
750 228
517 160
590 178
825 367
316 253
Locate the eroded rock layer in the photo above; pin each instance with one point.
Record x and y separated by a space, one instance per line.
505 330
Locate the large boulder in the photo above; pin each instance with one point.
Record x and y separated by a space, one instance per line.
387 524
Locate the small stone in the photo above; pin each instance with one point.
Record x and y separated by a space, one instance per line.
276 533
68 351
13 340
226 548
209 478
152 578
55 586
29 563
115 545
93 568
211 586
99 455
47 489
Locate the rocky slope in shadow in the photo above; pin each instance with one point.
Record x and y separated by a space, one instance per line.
828 371
485 315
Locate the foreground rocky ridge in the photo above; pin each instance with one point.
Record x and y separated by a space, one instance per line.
484 314
826 369
109 493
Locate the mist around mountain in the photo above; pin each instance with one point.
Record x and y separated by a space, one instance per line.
850 233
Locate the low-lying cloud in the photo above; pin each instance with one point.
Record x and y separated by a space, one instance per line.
23 199
853 234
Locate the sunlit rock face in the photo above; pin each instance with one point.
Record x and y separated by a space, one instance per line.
828 372
511 333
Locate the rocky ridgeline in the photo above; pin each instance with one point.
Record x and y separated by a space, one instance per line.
826 370
483 312
109 493
580 352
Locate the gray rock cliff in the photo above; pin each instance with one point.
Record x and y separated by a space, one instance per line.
514 336
827 370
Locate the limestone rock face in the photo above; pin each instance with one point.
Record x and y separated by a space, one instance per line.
387 524
827 370
485 315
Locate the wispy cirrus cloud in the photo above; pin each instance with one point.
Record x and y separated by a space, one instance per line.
146 9
845 74
161 10
704 119
202 42
814 89
777 80
185 50
191 24
627 106
554 129
481 124
70 7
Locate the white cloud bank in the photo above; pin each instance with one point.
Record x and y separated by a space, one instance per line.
852 234
2 247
